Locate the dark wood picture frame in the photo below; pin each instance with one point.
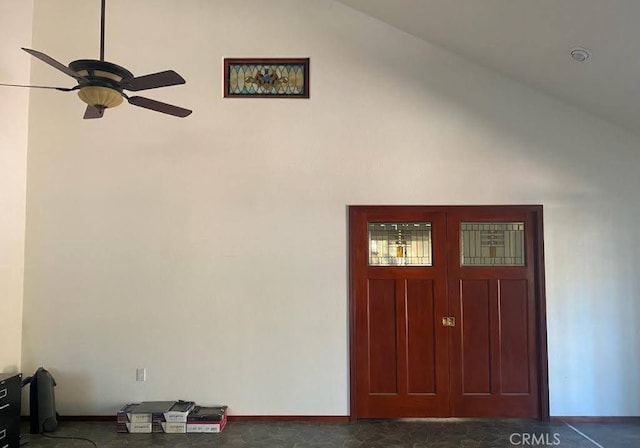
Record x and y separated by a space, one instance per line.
265 75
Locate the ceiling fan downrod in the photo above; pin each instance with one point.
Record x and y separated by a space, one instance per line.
102 29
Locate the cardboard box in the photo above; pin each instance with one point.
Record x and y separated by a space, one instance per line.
174 427
209 414
207 419
169 427
134 428
123 414
149 411
206 427
179 412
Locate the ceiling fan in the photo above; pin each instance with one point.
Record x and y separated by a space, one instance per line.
101 84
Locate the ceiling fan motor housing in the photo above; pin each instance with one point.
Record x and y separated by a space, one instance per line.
103 82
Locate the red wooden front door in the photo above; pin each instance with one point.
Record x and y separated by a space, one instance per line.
493 355
486 361
401 351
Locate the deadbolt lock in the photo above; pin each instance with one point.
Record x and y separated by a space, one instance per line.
449 321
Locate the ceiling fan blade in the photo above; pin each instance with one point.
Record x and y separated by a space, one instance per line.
52 62
62 89
93 112
158 106
155 80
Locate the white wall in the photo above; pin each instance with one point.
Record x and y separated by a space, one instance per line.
212 250
15 29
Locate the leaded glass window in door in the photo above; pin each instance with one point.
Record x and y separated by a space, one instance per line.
492 244
400 244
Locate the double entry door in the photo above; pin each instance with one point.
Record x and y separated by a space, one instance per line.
447 312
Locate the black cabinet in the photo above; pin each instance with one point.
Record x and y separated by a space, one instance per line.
10 390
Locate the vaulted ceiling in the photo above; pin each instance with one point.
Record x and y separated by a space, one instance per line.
531 41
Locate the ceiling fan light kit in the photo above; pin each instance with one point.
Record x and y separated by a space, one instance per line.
98 96
103 88
101 84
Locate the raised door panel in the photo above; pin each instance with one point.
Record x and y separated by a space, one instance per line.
382 330
475 347
514 337
421 350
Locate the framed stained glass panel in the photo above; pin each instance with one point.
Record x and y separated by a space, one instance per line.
266 78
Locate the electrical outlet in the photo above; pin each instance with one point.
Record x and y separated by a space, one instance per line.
141 374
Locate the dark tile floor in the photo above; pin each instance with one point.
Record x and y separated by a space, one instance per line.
437 433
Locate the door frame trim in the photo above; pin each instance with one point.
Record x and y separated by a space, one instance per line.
355 211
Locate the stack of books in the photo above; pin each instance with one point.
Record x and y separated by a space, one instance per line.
175 419
124 423
170 417
141 416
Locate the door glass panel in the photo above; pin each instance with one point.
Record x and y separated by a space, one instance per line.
400 244
492 244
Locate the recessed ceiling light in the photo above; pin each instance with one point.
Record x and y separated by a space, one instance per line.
580 54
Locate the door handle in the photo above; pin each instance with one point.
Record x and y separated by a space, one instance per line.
3 393
448 321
